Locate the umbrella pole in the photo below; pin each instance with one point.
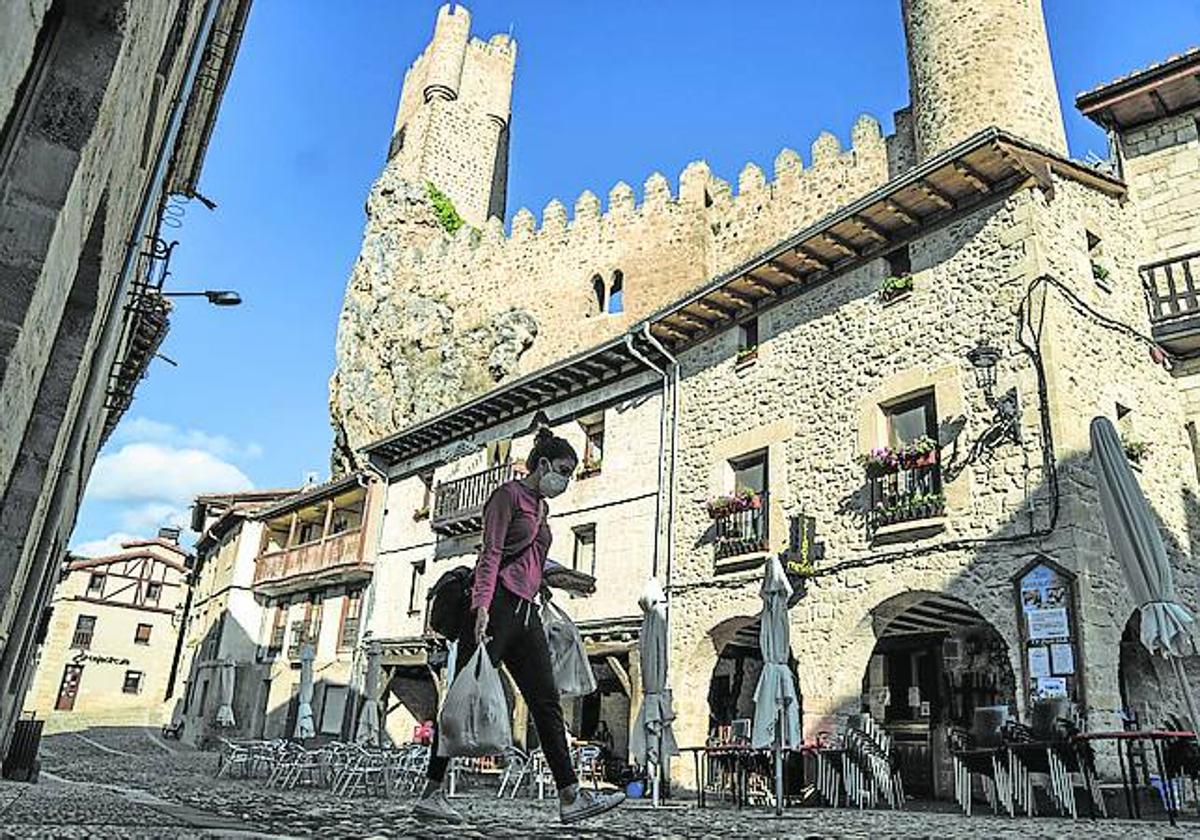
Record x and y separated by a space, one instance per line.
779 760
654 784
1188 699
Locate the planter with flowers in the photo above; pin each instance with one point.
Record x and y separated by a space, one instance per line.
894 287
739 500
884 460
590 466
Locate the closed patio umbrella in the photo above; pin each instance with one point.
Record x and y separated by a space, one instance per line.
368 718
1138 545
776 710
225 682
652 740
305 727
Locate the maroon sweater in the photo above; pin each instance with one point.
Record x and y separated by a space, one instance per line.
509 517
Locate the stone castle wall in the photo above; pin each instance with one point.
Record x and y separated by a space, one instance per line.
431 319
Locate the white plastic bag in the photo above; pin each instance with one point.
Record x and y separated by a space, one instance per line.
474 719
572 671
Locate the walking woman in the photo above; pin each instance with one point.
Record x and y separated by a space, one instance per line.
508 575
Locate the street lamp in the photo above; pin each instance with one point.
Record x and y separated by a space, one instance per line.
1007 423
217 297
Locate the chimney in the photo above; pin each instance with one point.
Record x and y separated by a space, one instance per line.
170 534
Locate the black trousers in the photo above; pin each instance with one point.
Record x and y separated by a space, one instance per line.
519 642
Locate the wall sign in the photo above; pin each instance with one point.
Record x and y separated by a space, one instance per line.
83 656
802 555
1046 610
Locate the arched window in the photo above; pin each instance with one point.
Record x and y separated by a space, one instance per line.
616 295
598 290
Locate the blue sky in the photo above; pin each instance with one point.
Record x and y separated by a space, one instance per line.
604 92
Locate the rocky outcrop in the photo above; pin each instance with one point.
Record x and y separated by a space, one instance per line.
409 345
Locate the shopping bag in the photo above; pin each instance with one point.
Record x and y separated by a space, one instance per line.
572 671
474 719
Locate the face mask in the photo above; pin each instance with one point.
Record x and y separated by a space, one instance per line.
552 483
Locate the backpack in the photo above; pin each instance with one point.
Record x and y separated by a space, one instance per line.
449 599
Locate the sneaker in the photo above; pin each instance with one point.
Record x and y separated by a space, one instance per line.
589 803
436 807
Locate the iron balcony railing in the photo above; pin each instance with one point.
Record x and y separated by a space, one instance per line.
458 504
906 494
1170 286
743 530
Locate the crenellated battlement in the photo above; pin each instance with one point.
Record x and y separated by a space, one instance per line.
798 192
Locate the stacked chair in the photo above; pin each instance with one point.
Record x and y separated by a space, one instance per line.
981 752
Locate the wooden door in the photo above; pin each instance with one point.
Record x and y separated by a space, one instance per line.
68 688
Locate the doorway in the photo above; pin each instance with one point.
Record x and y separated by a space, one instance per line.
68 689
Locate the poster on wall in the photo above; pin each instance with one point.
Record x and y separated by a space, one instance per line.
1045 602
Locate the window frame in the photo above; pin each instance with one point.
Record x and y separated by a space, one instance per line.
92 589
138 685
138 638
352 605
78 634
740 462
925 399
581 533
157 588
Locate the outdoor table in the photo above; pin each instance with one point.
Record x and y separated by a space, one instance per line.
1156 737
739 759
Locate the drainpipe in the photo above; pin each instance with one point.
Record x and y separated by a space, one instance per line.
671 489
356 664
662 419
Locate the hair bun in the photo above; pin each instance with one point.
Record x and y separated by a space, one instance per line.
544 435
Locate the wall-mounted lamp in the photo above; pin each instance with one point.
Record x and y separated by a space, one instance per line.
218 297
1007 423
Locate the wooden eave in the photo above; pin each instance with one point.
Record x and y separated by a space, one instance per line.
1163 90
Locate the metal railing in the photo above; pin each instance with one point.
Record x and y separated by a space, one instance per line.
1171 287
742 531
343 549
82 639
905 495
458 504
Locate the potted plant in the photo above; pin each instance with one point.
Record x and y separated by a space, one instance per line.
421 513
920 452
746 354
879 461
895 286
590 466
1135 450
741 499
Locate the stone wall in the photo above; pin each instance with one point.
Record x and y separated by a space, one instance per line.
1161 164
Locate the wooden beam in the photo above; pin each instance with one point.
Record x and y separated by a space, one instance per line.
937 194
669 331
787 271
814 258
738 299
1160 107
842 243
622 674
712 306
760 284
907 216
687 330
687 317
972 176
704 319
872 228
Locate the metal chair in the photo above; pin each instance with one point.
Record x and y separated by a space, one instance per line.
516 768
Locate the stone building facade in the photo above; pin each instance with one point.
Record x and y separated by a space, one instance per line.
111 640
103 118
895 353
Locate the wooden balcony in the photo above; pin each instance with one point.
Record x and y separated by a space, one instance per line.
335 559
1174 302
458 505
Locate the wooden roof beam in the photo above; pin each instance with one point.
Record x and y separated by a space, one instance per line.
738 298
669 331
688 318
842 244
903 213
872 228
787 271
937 194
711 306
815 259
1160 107
760 284
972 176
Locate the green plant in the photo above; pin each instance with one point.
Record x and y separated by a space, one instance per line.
895 286
1099 272
443 208
1135 449
421 513
746 354
590 466
741 499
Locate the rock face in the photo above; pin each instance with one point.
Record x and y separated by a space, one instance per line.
409 344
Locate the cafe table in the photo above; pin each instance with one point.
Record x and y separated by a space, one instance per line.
1124 741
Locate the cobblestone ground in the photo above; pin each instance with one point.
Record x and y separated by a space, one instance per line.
126 783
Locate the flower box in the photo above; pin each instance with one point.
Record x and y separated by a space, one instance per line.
895 287
723 506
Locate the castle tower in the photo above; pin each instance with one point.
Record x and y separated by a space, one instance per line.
979 63
452 123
